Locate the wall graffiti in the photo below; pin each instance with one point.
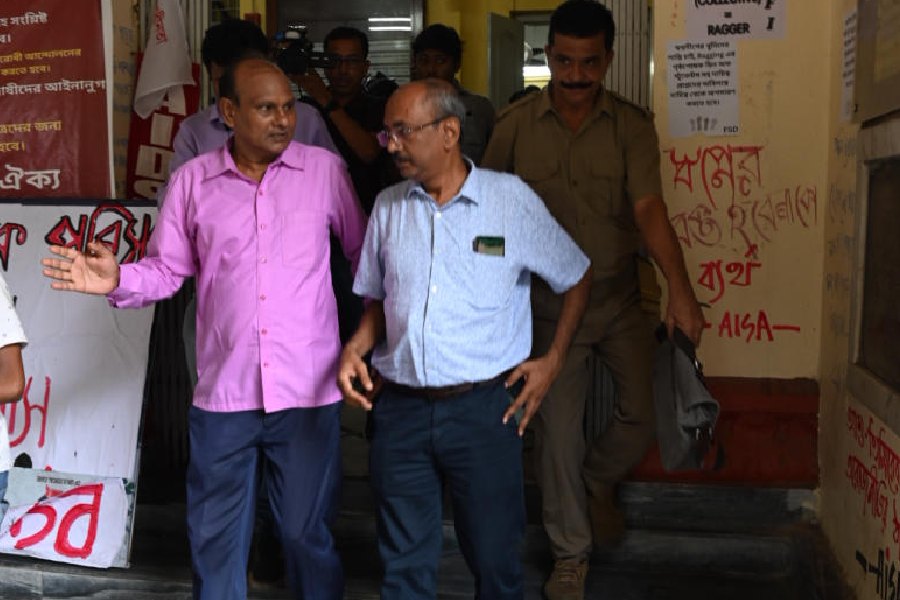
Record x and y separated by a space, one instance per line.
718 276
873 470
735 208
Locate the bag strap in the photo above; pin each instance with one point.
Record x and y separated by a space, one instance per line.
683 343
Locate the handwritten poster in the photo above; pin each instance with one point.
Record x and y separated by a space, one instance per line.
85 362
53 125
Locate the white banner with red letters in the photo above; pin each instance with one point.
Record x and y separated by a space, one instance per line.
85 366
75 519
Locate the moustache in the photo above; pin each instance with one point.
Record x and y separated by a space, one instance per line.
575 85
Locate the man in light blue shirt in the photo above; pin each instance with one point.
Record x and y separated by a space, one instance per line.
446 266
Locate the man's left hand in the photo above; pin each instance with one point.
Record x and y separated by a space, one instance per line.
539 373
684 312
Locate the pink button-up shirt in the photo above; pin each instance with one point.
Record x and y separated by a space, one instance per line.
267 328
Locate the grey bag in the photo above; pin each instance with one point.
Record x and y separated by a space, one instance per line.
686 412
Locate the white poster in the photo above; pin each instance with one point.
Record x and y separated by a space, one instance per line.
703 89
735 19
81 520
85 362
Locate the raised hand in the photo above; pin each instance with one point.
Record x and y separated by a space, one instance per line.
93 272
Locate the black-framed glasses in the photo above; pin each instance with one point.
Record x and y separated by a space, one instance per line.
401 133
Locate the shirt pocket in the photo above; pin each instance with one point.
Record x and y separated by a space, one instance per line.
304 240
540 173
605 192
492 279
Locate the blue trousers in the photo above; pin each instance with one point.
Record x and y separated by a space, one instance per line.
417 446
303 474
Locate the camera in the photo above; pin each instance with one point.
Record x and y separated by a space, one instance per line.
297 55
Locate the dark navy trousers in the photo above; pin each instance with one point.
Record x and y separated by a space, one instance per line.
419 445
303 474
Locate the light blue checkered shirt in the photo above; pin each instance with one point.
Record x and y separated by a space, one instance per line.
453 314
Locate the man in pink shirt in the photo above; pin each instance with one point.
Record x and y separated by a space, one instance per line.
251 222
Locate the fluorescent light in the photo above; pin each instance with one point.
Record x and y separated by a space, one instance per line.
536 71
391 28
389 19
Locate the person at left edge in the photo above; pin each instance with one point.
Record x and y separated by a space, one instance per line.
12 376
251 222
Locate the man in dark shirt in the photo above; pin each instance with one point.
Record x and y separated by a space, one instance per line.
351 115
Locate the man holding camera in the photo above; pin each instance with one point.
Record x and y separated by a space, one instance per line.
352 116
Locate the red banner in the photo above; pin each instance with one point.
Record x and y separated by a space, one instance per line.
53 123
150 140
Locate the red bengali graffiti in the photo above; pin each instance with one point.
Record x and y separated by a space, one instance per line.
41 409
740 273
9 233
112 224
729 169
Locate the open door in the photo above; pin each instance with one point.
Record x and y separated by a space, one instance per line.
506 47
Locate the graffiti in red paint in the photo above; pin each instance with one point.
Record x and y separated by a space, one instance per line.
747 222
62 544
725 171
865 481
41 408
10 232
750 327
111 224
740 273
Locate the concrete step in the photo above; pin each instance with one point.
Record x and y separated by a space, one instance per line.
686 542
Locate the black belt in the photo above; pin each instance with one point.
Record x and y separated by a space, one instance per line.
445 391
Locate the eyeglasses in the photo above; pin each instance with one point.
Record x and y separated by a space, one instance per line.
401 133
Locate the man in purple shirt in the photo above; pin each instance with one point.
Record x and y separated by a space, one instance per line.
204 132
251 223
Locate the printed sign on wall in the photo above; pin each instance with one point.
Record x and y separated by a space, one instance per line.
730 19
53 125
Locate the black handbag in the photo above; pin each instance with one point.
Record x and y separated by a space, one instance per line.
686 412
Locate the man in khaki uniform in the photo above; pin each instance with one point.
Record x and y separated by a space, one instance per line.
593 158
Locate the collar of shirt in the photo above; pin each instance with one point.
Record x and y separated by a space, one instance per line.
470 190
292 157
603 104
214 117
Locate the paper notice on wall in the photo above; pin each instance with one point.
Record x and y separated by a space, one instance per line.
735 19
848 66
703 92
887 41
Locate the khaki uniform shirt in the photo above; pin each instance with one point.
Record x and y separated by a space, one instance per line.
589 180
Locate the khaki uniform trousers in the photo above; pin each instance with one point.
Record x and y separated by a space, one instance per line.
567 464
